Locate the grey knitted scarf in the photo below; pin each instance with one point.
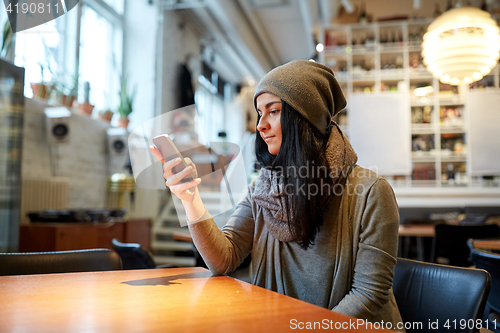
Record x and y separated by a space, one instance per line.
341 158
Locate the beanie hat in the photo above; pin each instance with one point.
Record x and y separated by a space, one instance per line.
308 87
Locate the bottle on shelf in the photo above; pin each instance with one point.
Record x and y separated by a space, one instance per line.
449 5
484 6
363 19
411 36
451 174
400 37
437 11
393 37
362 39
370 39
417 115
421 33
414 61
384 37
458 146
399 62
427 118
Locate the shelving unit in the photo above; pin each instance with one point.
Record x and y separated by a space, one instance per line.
385 58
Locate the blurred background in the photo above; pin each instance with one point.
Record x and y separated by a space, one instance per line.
72 89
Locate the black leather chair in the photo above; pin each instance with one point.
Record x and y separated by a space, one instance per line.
133 255
59 262
450 242
491 263
426 291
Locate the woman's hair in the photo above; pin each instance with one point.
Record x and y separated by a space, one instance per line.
302 149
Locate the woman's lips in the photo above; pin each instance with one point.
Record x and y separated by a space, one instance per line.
267 138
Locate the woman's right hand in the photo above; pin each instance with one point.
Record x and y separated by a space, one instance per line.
185 191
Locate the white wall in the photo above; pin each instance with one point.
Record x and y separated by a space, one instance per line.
179 40
83 160
140 47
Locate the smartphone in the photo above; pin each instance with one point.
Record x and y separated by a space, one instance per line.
169 152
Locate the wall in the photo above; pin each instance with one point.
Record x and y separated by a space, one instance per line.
83 160
180 43
140 54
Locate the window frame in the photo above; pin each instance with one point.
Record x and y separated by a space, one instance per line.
70 59
116 20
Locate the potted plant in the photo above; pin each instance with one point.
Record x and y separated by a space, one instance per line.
72 93
126 100
106 115
86 107
64 95
41 89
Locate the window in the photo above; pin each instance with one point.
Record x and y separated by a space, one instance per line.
117 5
210 98
48 52
210 109
100 58
38 51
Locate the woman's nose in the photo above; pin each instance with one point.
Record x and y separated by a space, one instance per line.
262 125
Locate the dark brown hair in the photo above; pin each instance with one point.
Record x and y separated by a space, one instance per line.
302 146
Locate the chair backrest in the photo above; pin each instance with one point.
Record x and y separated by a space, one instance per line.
491 263
133 255
428 292
59 262
451 241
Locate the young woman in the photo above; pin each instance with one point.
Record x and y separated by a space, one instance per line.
319 227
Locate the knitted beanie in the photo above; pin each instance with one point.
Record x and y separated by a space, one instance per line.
308 87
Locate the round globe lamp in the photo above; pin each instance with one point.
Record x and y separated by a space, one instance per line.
461 46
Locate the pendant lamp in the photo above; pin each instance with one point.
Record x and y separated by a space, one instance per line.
461 45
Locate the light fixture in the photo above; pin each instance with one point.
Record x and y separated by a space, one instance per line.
461 45
320 47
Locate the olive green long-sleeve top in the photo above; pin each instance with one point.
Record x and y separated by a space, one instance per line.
350 267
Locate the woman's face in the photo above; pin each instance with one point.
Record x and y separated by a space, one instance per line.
269 126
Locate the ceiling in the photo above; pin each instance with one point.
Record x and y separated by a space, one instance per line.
253 36
250 37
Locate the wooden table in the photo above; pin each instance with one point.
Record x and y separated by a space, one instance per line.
418 231
489 244
155 300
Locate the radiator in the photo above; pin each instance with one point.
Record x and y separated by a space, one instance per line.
41 194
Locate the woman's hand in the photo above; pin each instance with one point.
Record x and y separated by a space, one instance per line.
185 191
